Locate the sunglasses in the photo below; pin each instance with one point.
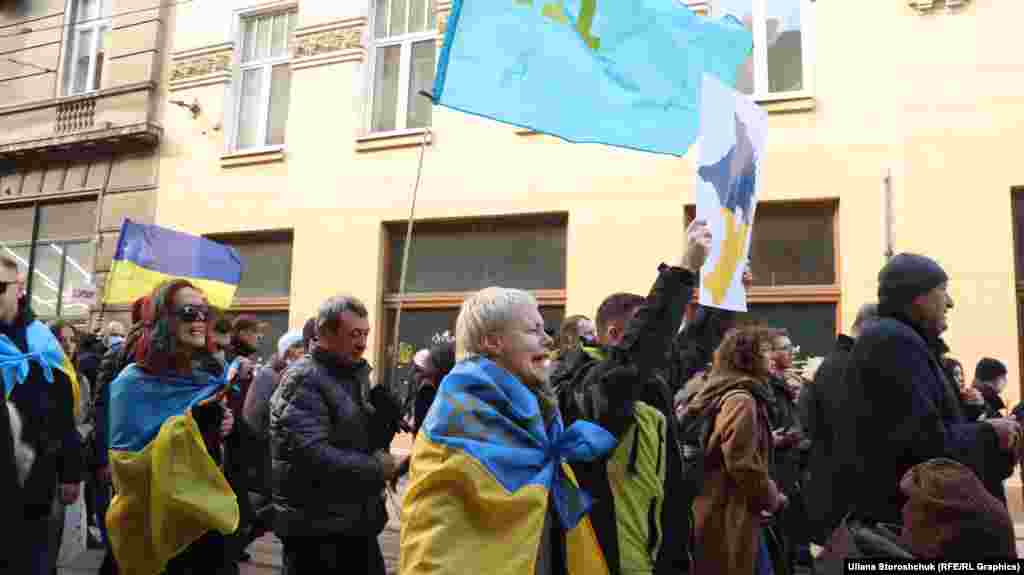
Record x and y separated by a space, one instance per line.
193 313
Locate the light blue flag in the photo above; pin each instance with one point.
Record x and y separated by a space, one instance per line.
622 73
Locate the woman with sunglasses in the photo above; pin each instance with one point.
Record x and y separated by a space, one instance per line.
173 506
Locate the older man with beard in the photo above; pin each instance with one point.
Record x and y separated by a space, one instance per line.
901 410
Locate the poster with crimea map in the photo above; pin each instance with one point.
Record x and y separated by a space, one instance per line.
732 144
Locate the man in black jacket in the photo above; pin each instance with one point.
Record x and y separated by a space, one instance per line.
901 411
821 403
47 411
329 440
619 385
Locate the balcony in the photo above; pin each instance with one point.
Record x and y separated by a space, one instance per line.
105 117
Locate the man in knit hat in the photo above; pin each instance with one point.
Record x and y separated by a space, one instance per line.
900 409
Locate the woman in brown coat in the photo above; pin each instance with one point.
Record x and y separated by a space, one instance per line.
737 487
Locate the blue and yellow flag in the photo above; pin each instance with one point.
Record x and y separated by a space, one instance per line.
620 73
169 491
43 349
148 255
485 473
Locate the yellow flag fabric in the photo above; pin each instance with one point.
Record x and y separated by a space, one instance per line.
169 490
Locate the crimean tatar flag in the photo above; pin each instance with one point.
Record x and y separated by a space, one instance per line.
169 491
147 255
602 71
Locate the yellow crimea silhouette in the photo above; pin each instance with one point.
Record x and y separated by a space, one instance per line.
719 279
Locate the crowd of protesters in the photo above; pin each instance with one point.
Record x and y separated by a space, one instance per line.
722 454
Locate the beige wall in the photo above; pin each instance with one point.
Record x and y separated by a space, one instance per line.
934 98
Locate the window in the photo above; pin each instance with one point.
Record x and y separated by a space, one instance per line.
450 260
793 256
263 80
265 289
62 258
403 61
88 41
781 63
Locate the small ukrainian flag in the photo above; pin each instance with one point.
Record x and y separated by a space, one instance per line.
147 255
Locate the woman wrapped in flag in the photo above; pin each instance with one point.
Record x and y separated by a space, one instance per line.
173 506
489 490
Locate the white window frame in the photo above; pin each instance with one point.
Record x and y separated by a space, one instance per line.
807 43
404 65
95 24
237 67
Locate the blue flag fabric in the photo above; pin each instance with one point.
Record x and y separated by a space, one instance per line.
484 411
43 349
625 74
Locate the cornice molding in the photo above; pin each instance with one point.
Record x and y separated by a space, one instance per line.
926 6
193 66
329 39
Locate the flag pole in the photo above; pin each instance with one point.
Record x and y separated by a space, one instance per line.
408 243
887 207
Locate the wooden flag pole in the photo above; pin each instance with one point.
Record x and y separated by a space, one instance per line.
887 210
406 247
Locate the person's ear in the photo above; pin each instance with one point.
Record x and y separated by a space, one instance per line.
492 344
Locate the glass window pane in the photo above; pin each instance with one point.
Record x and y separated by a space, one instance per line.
262 38
77 274
380 19
523 254
280 82
812 326
45 280
385 88
793 245
83 53
67 221
422 78
278 34
266 268
418 15
743 10
87 10
399 15
101 54
785 46
249 116
249 47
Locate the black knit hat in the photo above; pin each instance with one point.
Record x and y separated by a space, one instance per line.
989 369
907 276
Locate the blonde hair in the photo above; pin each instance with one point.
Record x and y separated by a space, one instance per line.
486 312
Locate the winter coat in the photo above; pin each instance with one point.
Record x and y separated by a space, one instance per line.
900 411
256 417
737 480
326 480
820 406
622 389
47 413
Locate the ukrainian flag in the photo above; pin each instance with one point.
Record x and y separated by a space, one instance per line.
148 255
485 473
43 349
169 490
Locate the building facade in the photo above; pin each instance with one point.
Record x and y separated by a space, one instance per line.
80 105
307 148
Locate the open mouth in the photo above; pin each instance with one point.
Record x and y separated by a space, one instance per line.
541 360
